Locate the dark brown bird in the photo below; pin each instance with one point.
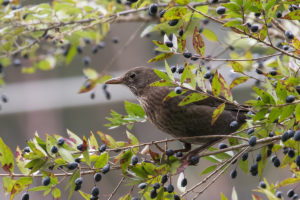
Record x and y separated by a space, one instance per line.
179 121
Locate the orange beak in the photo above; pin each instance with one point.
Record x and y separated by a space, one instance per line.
117 80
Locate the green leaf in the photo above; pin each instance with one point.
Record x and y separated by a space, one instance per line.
223 197
192 98
169 72
21 161
225 89
182 2
161 45
208 169
133 109
237 67
74 138
107 140
188 77
90 73
66 155
260 114
6 157
85 195
244 165
174 94
102 160
286 112
125 160
162 75
163 83
294 15
160 57
132 140
175 13
274 114
233 23
198 42
238 81
297 112
71 182
8 184
216 85
217 112
20 185
210 35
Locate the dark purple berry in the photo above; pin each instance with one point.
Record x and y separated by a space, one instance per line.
105 169
142 186
254 28
97 177
290 193
170 188
102 148
250 131
187 54
60 141
252 141
233 124
173 22
193 160
46 181
289 35
263 185
72 166
156 185
170 152
222 146
25 196
290 98
221 10
233 174
183 182
153 194
79 181
95 191
153 9
134 160
54 149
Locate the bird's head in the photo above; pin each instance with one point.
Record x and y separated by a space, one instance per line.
137 79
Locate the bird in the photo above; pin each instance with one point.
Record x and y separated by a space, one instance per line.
187 121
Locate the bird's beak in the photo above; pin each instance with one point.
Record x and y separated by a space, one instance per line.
117 80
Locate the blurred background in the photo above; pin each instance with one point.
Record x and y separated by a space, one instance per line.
48 102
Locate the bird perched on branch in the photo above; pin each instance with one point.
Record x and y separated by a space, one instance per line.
190 120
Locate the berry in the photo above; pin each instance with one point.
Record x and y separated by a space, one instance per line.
273 158
289 35
200 30
78 181
252 141
222 146
285 47
164 179
295 197
92 95
78 160
180 69
254 169
80 147
290 98
79 49
206 21
173 22
46 181
276 162
153 194
263 185
273 73
290 193
142 186
97 177
208 75
214 1
102 148
284 137
115 40
183 182
161 13
178 90
279 194
176 197
60 141
54 149
101 45
233 124
258 157
87 40
291 153
233 174
5 2
297 136
179 154
134 160
107 94
259 71
169 44
254 28
95 191
257 14
221 10
250 131
105 169
26 149
173 69
72 165
180 33
95 50
248 24
269 152
170 152
291 133
156 185
245 156
194 160
86 60
25 196
152 9
187 54
170 188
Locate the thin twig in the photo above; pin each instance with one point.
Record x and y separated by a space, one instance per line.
115 190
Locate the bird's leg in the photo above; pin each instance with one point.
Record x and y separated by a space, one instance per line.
187 147
199 149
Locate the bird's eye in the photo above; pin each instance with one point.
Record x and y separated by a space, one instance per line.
132 75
